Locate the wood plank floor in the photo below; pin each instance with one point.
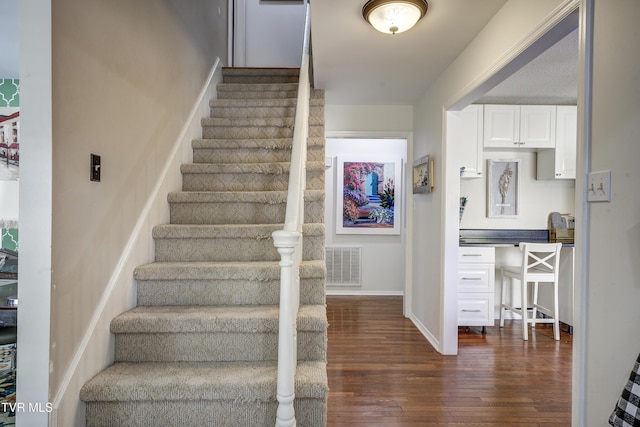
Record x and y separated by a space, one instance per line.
383 372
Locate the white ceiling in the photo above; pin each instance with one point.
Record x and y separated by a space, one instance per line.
355 64
551 78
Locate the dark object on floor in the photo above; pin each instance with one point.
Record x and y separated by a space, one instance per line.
627 411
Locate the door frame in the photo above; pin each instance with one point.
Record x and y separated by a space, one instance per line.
543 37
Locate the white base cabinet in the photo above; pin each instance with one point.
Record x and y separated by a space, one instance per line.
476 286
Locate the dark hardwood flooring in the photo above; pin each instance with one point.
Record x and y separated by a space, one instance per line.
383 372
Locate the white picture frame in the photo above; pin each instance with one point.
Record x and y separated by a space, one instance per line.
368 195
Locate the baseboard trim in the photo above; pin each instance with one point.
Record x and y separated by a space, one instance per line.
338 292
435 343
184 137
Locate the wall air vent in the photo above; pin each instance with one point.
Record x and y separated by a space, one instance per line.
344 266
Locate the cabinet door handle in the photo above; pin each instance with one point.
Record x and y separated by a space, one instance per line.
464 310
472 278
471 254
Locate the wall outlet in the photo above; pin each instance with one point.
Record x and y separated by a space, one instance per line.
599 187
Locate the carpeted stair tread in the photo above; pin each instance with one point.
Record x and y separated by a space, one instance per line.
256 270
224 283
257 87
314 101
253 75
276 122
211 129
230 242
253 231
259 91
260 150
211 319
244 382
272 168
248 177
263 143
265 122
268 197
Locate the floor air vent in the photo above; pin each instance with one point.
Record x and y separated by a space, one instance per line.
344 267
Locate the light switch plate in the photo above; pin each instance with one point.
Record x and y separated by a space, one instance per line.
599 187
94 174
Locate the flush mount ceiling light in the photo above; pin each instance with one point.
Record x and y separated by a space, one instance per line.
394 16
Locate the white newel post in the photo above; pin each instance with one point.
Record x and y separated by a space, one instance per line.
287 243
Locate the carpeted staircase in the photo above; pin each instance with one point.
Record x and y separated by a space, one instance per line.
200 349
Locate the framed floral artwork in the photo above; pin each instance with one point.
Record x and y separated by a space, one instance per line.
368 196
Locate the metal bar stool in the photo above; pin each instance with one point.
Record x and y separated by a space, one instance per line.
540 263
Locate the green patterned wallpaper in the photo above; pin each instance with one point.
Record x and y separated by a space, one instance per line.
9 238
9 92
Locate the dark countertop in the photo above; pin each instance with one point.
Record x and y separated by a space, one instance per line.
505 238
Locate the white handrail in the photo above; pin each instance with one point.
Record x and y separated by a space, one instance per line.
289 244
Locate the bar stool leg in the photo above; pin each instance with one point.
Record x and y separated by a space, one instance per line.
502 301
523 310
556 320
534 312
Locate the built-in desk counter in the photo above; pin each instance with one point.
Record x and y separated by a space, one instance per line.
507 252
505 238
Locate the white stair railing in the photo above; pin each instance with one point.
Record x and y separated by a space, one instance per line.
289 244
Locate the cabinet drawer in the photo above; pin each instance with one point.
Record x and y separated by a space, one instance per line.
475 309
476 278
476 254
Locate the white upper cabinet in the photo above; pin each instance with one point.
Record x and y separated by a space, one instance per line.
519 126
466 131
501 126
560 163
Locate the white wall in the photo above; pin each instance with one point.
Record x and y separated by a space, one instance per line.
609 296
34 268
517 25
273 36
383 257
370 122
537 198
9 199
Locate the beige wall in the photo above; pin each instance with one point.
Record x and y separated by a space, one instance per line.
125 78
610 272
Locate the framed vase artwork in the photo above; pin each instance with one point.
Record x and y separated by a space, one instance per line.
503 188
368 195
423 175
